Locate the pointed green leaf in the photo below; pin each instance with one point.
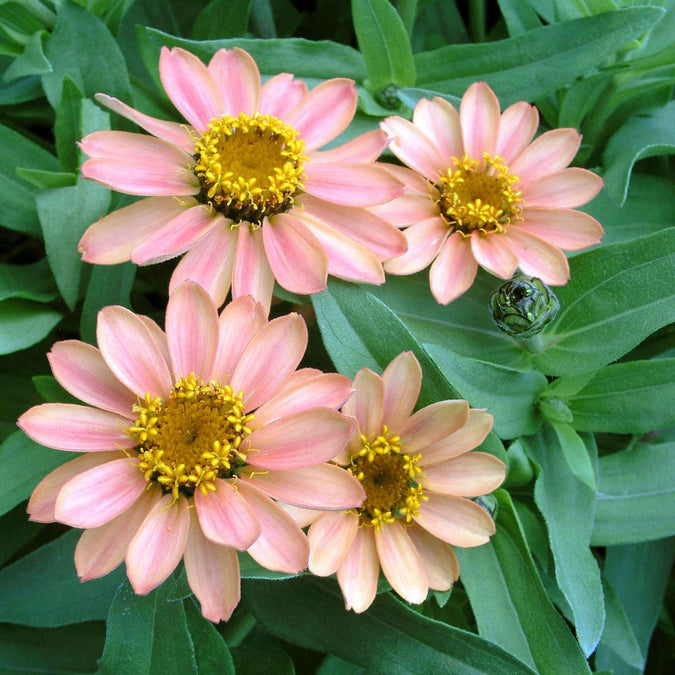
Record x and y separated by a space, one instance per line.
24 323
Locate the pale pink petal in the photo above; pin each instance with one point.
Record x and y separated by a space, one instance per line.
401 563
406 210
81 370
517 127
237 80
252 274
454 270
425 239
134 148
493 253
296 378
42 500
96 496
565 190
402 380
470 475
353 447
190 87
479 114
414 183
548 154
330 538
467 437
178 134
101 549
67 426
271 355
131 352
538 258
111 239
225 516
302 517
455 520
177 235
296 257
568 229
209 262
158 336
352 184
367 402
213 574
439 122
433 423
325 112
324 486
439 560
192 331
158 545
280 94
282 546
359 571
304 439
364 148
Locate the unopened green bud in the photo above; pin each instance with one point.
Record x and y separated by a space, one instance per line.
388 97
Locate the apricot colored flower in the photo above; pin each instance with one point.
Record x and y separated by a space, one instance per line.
192 435
417 473
481 193
244 188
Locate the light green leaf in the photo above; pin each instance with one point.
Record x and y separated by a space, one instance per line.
576 454
68 126
24 323
31 282
519 16
222 19
33 60
44 180
250 569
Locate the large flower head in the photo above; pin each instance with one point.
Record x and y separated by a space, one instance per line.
192 434
417 473
482 193
244 188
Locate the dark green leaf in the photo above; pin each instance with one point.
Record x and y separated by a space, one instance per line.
22 91
519 16
33 60
262 659
67 126
51 391
31 282
618 634
222 19
23 323
15 532
332 665
211 653
250 569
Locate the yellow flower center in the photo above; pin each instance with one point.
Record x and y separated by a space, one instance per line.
479 198
250 167
389 478
193 437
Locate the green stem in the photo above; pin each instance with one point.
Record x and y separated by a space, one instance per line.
535 344
477 20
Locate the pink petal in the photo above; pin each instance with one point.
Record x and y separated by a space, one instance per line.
493 253
131 353
538 258
158 545
367 402
66 426
439 560
425 239
517 127
352 184
280 94
96 496
282 546
301 517
237 80
433 423
225 516
175 133
325 112
330 538
190 87
358 573
158 336
439 121
324 486
454 270
414 183
252 274
271 355
401 563
565 228
455 520
296 257
134 148
402 383
111 239
406 210
549 154
364 148
213 574
467 437
479 115
564 190
470 475
81 370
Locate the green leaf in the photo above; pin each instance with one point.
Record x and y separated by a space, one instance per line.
618 634
27 599
22 91
15 532
636 496
310 612
18 22
568 506
582 97
539 62
30 282
51 391
24 323
43 180
211 652
250 569
33 60
618 295
67 125
222 19
519 16
262 659
575 453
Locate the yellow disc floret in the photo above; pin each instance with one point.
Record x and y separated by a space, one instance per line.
193 437
250 167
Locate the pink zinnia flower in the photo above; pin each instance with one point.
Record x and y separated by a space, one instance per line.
417 472
177 464
244 188
484 194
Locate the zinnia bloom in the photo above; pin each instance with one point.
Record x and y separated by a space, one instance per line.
484 194
417 472
191 434
243 188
